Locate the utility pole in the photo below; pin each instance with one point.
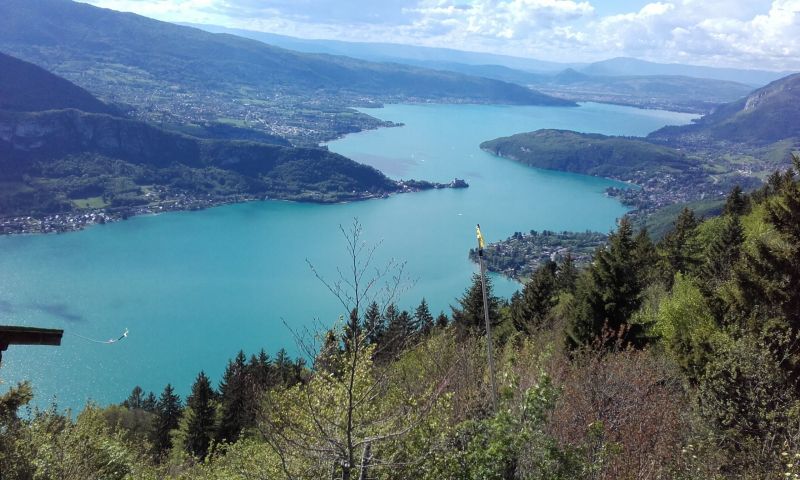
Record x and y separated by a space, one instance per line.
489 340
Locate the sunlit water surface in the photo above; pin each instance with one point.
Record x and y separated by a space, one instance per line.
195 287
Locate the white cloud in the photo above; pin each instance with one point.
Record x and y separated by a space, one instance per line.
505 19
706 32
742 33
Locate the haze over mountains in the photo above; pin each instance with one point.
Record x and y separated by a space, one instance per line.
392 52
441 56
625 81
177 74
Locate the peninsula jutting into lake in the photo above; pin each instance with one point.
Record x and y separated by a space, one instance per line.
406 239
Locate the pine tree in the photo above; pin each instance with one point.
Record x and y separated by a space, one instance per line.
352 329
149 403
736 203
298 371
169 412
567 274
373 324
284 370
678 249
442 321
390 321
135 400
784 214
261 371
530 308
235 394
400 330
609 293
723 253
327 358
201 411
769 279
645 257
468 316
424 318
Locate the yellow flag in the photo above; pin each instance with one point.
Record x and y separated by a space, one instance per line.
480 237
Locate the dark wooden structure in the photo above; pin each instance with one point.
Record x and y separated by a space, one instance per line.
28 336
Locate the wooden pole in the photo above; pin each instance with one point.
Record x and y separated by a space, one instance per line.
489 341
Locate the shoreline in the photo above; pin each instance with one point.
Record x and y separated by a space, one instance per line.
76 221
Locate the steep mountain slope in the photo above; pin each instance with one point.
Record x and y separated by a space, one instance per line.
63 160
25 87
51 160
76 40
769 114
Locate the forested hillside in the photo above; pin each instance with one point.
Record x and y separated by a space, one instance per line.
177 74
767 115
671 360
61 152
57 161
590 154
27 88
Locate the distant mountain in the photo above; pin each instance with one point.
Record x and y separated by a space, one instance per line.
669 92
24 87
78 40
631 66
666 91
394 52
769 114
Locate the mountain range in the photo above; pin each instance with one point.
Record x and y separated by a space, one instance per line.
624 81
62 150
138 60
428 56
63 35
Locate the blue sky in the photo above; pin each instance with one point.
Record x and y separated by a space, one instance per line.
736 33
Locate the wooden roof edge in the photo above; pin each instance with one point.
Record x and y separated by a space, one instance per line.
17 335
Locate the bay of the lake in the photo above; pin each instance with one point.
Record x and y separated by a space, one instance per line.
194 288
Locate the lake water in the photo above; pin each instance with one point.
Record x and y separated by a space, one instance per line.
195 287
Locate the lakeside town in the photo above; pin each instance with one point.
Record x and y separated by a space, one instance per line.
162 200
521 254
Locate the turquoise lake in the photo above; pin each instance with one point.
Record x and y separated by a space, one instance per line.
195 287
